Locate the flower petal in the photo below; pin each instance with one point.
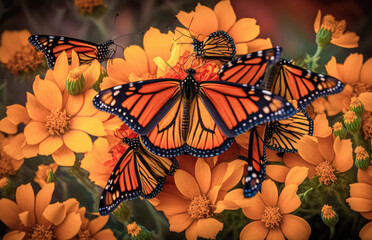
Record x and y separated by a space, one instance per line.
366 72
90 125
104 234
288 199
61 70
295 227
347 40
321 128
26 201
293 160
186 184
9 213
254 231
50 145
225 15
118 70
277 172
366 232
360 204
259 44
137 60
7 126
55 213
366 99
14 235
296 175
73 103
92 74
208 228
191 232
324 146
17 114
269 193
352 67
203 175
344 155
317 21
179 222
48 94
35 110
78 141
361 190
275 234
309 151
97 224
88 110
244 30
64 156
35 132
43 198
69 227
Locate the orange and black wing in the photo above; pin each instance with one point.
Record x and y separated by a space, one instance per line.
295 83
249 69
137 173
283 135
141 105
53 46
218 45
256 160
238 107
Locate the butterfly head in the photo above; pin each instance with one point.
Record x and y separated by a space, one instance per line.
198 47
190 72
132 142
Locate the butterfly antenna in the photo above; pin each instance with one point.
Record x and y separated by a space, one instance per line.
188 29
170 66
128 34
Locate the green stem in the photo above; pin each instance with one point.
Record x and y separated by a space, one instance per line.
332 232
160 223
100 27
315 58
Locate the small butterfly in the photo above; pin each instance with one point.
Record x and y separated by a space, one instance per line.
283 135
137 173
256 160
53 46
186 116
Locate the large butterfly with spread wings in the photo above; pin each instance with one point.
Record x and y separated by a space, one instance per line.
186 116
53 46
137 173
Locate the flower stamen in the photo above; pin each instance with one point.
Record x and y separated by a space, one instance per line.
272 217
41 232
200 207
25 59
325 172
58 122
84 235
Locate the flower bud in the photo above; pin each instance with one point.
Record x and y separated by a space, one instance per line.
123 212
329 216
362 159
50 178
6 185
339 130
138 232
96 85
352 121
356 106
75 82
323 37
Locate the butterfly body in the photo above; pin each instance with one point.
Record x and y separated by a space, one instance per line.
53 46
137 173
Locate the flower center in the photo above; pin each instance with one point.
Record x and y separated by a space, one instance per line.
325 172
84 235
58 122
350 117
6 168
200 207
367 125
272 217
328 212
133 229
25 59
336 27
337 127
41 232
359 88
86 6
74 75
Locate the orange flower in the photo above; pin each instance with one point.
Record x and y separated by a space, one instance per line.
8 164
356 77
33 217
17 53
139 62
91 229
87 6
360 199
59 127
42 173
337 28
271 214
189 203
204 21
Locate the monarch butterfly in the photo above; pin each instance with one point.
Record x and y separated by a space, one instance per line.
201 119
256 160
295 83
249 69
137 173
283 135
53 46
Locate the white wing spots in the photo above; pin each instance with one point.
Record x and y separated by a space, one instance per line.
266 92
113 102
266 109
268 98
116 93
117 87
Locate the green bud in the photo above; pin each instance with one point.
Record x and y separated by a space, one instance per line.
362 158
96 85
339 130
352 121
50 178
6 186
75 82
323 37
329 216
356 106
138 232
123 212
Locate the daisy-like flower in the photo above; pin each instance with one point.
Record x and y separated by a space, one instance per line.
92 229
334 31
189 203
42 173
8 164
244 31
16 52
33 217
139 62
360 199
271 214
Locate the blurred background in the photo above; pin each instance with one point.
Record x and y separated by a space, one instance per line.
287 23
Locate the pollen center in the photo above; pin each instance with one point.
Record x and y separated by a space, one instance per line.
199 207
84 235
74 75
41 232
6 168
25 59
326 174
359 88
272 217
133 229
58 122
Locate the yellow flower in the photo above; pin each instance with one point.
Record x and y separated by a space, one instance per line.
244 31
16 52
139 62
8 164
92 229
337 29
189 203
271 214
360 199
42 173
35 218
59 127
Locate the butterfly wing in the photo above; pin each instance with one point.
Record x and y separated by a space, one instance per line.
137 173
256 160
283 135
141 105
249 69
238 107
295 83
218 45
53 46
